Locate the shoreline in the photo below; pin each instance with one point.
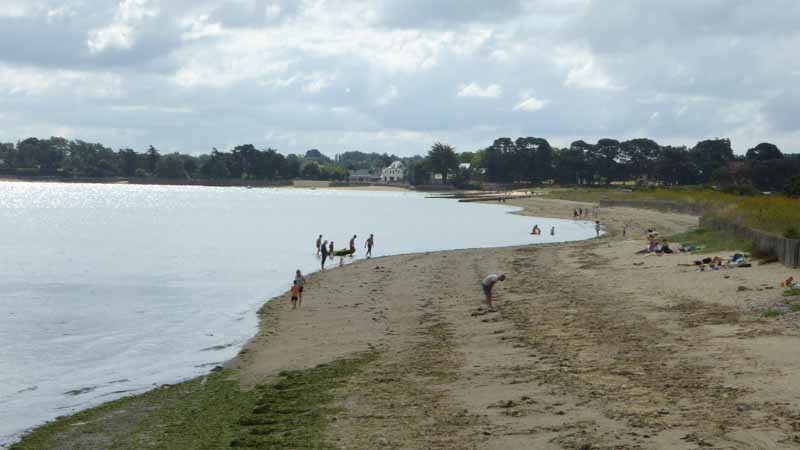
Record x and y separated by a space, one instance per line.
506 380
233 183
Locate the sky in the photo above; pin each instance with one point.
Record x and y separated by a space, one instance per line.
396 76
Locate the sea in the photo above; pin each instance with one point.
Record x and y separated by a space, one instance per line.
109 290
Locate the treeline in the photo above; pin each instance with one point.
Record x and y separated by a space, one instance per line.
67 158
534 160
528 160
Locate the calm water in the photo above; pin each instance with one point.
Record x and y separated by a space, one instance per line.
107 290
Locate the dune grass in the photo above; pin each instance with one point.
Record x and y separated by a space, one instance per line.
775 214
712 241
289 413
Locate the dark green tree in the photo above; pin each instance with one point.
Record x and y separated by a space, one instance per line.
128 162
443 159
710 155
764 151
215 166
171 166
638 158
311 171
674 166
151 157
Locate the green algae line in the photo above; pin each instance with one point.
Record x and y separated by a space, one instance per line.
210 412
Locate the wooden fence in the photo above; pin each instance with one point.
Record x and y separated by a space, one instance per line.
786 250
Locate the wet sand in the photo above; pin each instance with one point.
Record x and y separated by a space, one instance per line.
592 347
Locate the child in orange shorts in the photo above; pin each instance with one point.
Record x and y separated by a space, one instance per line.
295 294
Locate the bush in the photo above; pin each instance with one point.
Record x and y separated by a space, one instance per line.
791 233
793 187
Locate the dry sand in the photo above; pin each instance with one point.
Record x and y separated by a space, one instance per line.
592 347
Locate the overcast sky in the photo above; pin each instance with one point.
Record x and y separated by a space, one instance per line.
396 75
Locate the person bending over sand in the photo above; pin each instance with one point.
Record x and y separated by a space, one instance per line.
488 284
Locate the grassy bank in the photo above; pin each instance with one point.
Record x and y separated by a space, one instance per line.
712 241
210 412
776 214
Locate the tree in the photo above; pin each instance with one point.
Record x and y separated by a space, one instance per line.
8 154
215 167
638 157
311 170
443 159
419 171
764 151
500 160
171 166
151 157
318 157
128 162
45 155
674 166
709 155
466 157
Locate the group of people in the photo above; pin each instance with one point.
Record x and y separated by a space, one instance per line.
579 213
536 231
326 250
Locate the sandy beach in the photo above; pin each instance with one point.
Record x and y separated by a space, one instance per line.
592 346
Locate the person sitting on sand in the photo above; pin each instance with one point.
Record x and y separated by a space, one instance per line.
665 249
536 230
295 294
488 284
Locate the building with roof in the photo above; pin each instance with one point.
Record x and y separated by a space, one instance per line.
363 176
395 173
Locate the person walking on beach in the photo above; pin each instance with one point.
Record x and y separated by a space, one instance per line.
488 284
295 294
624 230
353 245
370 242
300 281
553 231
319 243
597 227
330 249
324 251
575 214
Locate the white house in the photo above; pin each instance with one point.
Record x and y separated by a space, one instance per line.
395 173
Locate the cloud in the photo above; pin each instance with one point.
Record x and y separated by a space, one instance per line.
387 75
388 97
121 33
530 104
475 90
